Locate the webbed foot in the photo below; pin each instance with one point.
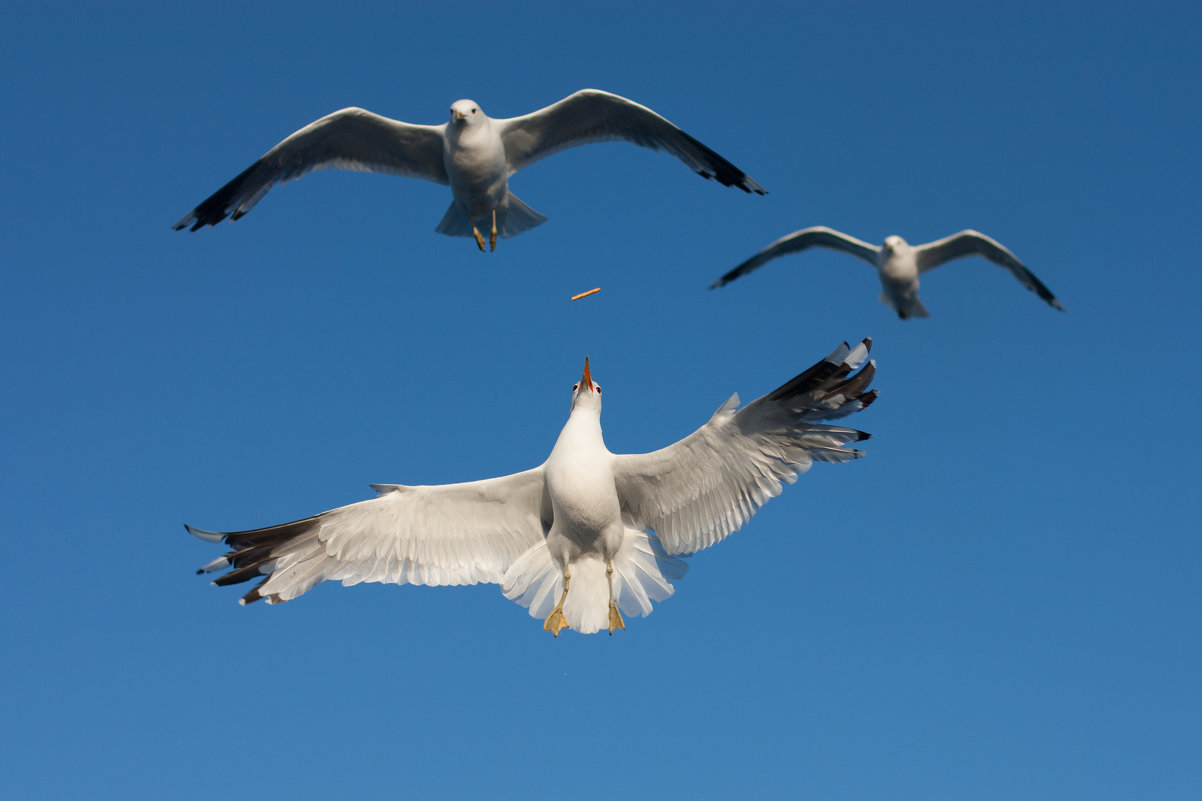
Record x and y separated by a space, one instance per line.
555 622
615 619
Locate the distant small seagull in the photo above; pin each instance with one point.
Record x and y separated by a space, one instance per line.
898 263
577 527
473 153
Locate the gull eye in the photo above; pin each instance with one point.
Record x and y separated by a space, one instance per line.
575 386
598 386
473 111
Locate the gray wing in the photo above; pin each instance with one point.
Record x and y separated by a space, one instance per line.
433 535
350 139
699 490
968 243
591 115
817 237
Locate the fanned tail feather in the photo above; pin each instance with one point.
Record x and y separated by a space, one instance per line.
455 222
518 218
587 606
513 218
642 570
534 581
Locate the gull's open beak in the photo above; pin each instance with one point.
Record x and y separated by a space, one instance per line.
587 381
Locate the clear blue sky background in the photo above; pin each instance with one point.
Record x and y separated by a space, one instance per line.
1000 601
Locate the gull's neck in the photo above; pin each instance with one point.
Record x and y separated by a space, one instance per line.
582 432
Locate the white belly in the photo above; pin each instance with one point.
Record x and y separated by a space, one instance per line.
477 172
584 501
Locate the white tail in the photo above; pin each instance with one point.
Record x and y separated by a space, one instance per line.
909 307
642 570
518 218
513 218
455 222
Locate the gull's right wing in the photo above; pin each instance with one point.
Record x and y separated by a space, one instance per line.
434 535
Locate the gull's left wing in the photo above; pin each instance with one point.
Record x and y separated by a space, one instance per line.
434 535
591 115
699 490
969 243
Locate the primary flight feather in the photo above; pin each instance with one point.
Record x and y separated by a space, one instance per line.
588 534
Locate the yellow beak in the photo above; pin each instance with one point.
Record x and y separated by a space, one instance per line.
459 115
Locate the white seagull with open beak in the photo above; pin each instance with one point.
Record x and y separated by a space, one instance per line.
898 263
473 153
586 536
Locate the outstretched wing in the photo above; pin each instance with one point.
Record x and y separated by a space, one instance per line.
699 490
591 115
817 237
350 139
433 535
968 243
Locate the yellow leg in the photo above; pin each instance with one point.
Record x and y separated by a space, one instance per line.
492 239
555 621
479 239
615 617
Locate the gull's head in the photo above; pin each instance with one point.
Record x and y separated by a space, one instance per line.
466 112
893 243
586 393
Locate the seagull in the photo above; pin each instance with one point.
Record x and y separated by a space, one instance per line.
473 153
899 263
588 534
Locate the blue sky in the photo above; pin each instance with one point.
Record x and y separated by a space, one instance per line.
999 601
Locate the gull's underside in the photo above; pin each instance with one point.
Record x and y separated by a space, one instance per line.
524 531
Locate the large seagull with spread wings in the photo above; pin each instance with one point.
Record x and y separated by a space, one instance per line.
472 153
587 535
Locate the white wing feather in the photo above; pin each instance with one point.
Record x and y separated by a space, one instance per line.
450 534
819 236
349 139
699 490
975 243
591 115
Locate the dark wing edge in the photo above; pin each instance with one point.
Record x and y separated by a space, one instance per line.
254 551
974 243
